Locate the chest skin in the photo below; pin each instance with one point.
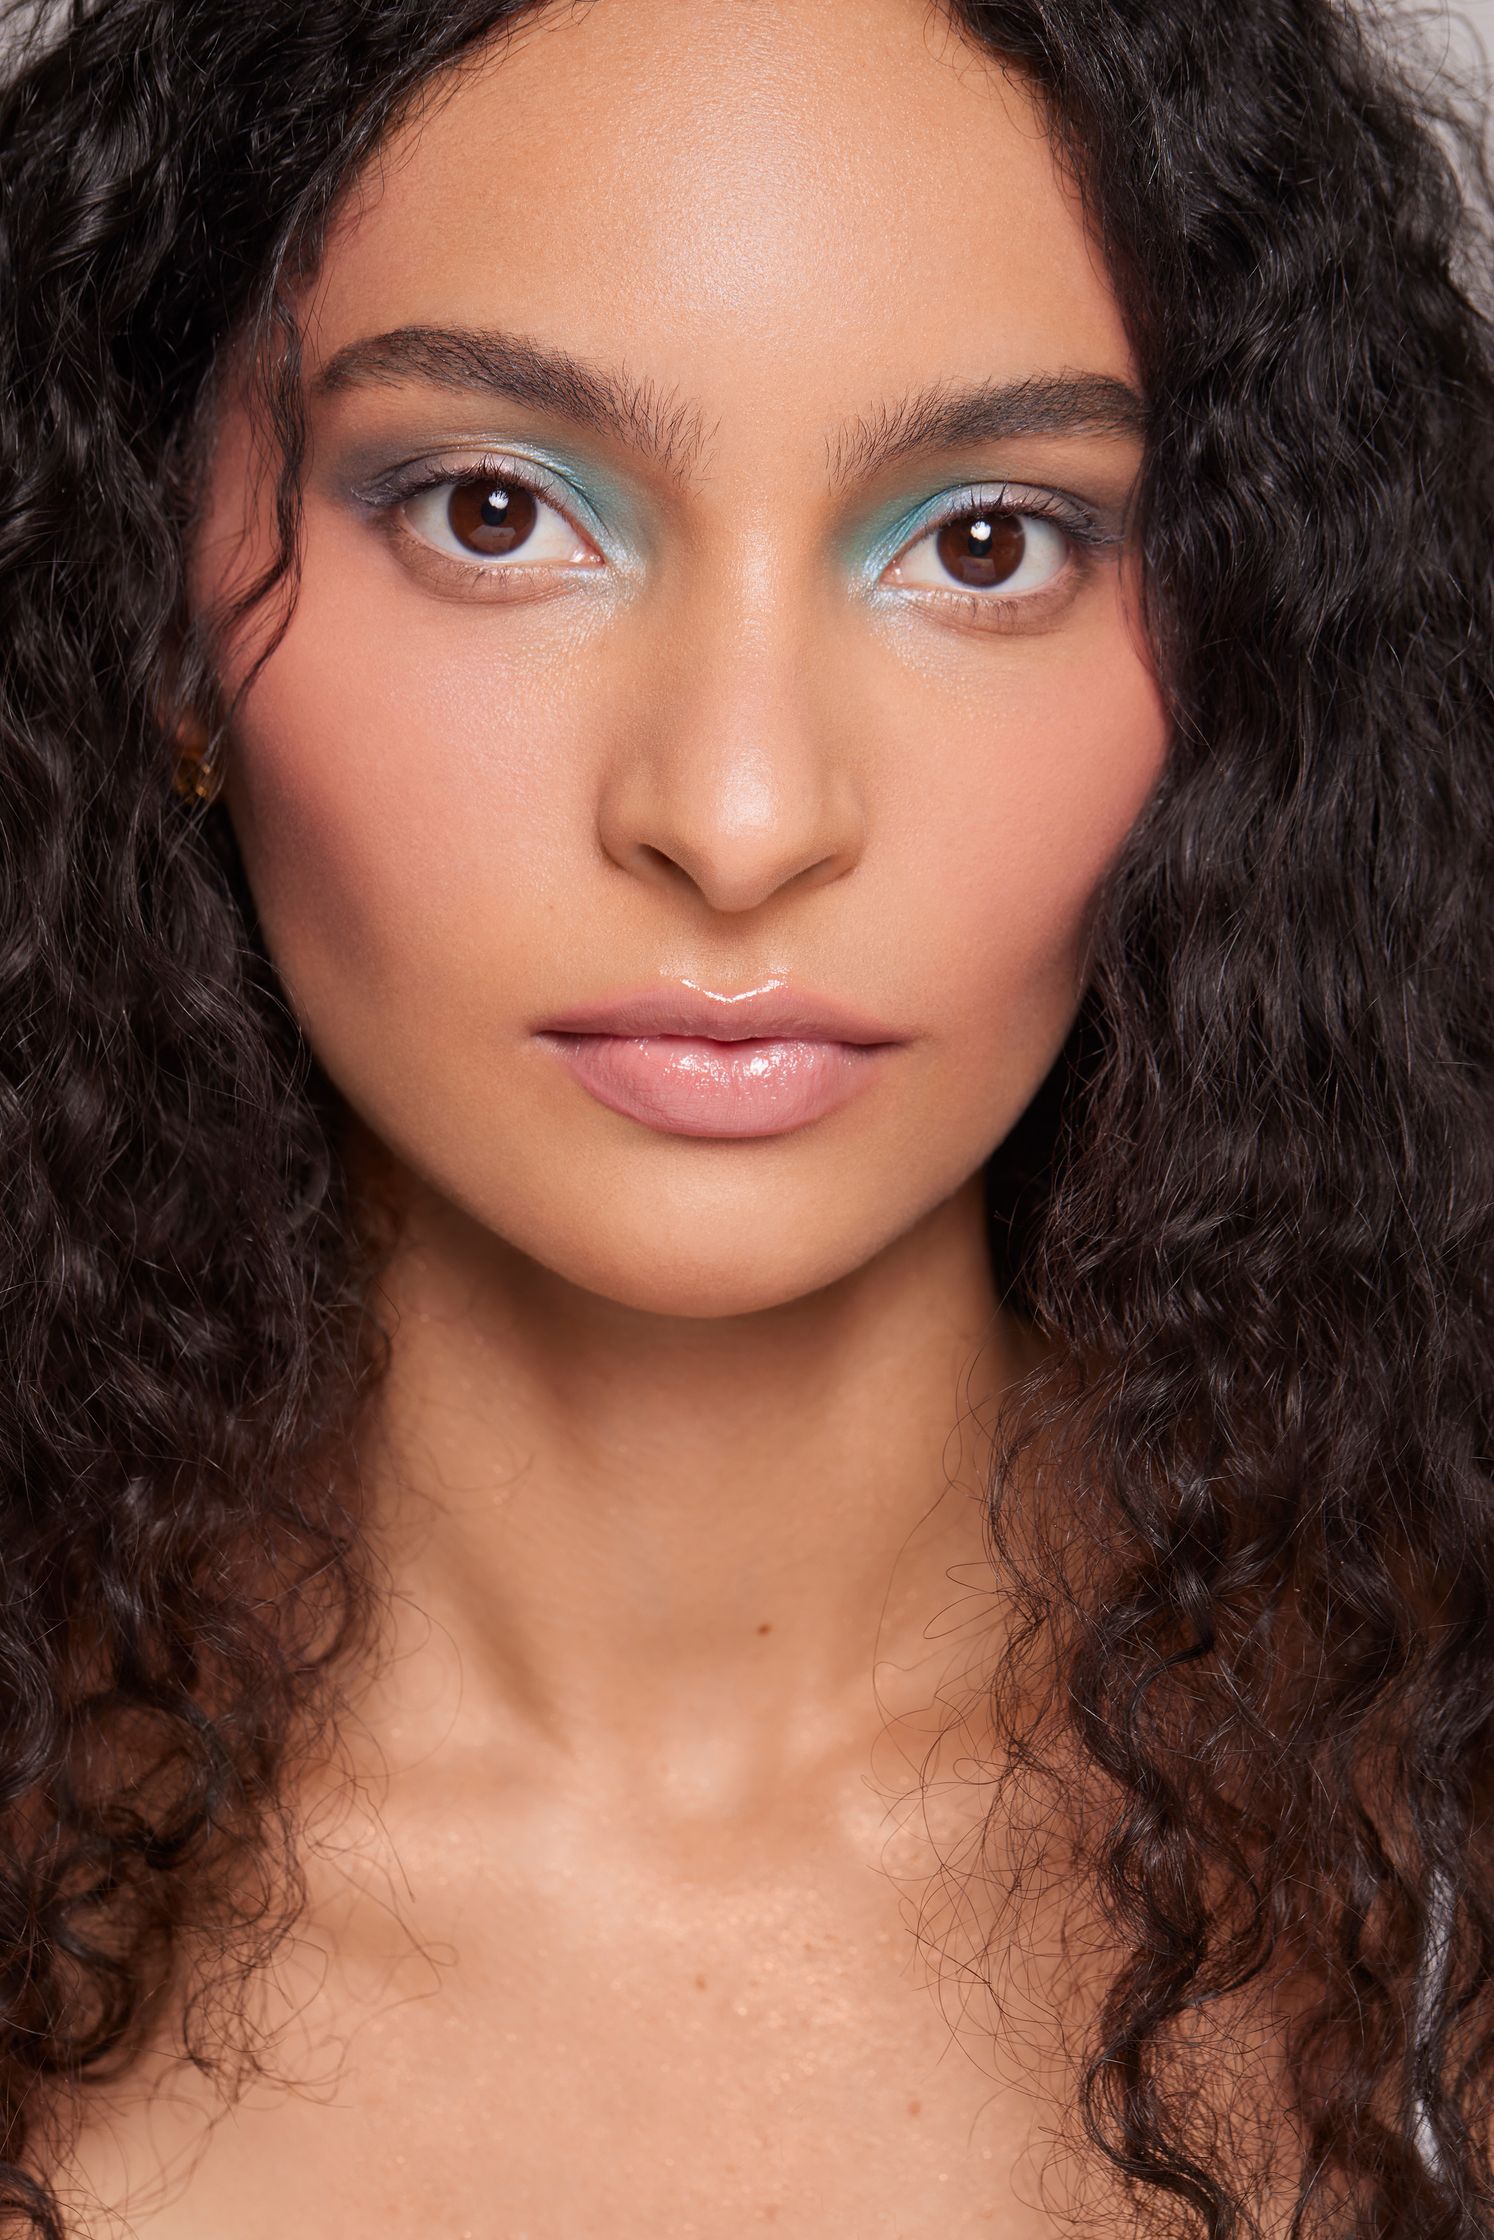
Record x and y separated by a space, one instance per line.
512 2019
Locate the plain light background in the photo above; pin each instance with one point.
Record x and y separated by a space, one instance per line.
1471 26
1480 13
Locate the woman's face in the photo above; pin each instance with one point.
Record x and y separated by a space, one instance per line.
714 695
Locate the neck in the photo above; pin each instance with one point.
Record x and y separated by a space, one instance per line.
634 1531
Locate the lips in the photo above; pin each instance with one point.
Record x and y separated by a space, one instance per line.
684 1061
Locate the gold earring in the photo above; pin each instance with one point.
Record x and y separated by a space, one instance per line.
198 773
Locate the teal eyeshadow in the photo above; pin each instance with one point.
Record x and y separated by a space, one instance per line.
892 528
610 501
613 512
875 542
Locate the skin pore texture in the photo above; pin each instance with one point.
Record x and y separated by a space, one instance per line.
677 1462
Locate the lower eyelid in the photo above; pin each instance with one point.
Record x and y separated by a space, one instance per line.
991 611
449 574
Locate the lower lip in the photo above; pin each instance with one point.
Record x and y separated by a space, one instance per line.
685 1086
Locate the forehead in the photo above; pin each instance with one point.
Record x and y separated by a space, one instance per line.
791 206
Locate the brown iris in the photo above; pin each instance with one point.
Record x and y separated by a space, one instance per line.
982 548
489 517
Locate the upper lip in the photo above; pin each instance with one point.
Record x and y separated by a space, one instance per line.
774 1012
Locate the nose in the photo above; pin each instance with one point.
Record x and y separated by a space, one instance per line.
734 779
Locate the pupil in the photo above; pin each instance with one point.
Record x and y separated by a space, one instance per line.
983 548
489 517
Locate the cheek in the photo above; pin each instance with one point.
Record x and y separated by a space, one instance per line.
410 812
1041 780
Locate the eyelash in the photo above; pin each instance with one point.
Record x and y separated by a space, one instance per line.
1086 539
390 492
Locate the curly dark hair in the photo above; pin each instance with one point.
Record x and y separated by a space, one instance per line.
1251 1207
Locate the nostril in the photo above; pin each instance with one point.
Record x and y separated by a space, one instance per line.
653 858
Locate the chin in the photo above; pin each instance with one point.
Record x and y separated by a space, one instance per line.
703 1290
705 1277
693 1260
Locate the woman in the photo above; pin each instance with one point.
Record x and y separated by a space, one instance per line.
746 1185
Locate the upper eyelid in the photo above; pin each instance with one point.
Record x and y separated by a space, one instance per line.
433 471
1070 514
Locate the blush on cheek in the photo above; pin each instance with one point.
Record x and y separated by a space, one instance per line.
392 798
335 842
1054 788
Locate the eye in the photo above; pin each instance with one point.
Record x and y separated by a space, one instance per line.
488 518
986 550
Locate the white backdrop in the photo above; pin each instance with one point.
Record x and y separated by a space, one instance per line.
1477 15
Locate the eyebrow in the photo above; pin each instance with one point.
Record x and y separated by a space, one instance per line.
948 414
671 435
524 372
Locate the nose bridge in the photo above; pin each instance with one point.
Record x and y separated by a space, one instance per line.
734 775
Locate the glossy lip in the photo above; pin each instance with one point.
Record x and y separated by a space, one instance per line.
685 1061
